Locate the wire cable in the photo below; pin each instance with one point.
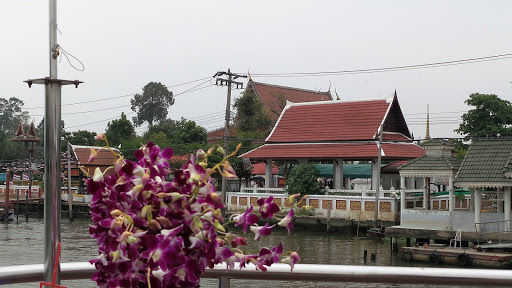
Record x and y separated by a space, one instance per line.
388 69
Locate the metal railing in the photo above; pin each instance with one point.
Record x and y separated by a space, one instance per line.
263 190
500 228
302 272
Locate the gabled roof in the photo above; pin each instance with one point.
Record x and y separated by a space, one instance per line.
340 121
431 166
441 143
426 162
347 151
392 168
274 97
486 163
104 158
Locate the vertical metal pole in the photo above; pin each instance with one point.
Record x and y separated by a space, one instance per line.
70 193
53 38
224 282
226 136
7 188
377 187
52 181
52 135
18 201
29 180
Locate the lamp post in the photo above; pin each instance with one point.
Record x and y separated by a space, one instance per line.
29 138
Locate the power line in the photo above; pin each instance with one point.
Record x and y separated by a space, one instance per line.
389 69
130 113
126 95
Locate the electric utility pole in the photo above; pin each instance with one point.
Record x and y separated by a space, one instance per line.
238 85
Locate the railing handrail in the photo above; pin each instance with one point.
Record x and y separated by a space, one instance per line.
302 272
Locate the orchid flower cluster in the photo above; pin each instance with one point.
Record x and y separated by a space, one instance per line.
155 232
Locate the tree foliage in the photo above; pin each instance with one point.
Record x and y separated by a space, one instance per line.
180 134
119 131
490 117
303 179
460 148
151 106
251 115
11 115
81 137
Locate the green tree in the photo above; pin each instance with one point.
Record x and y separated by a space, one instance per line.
460 148
11 115
251 115
303 179
81 137
151 106
491 117
180 134
120 131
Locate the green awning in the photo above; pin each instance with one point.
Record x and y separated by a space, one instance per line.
349 170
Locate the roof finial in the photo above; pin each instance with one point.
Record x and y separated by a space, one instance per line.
21 130
427 136
249 74
337 96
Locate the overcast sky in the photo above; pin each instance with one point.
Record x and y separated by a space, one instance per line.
126 44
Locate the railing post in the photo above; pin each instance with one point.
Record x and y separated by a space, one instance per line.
224 282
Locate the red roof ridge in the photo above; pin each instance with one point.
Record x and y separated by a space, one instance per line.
388 100
294 88
94 147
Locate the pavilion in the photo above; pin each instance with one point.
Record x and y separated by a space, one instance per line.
338 131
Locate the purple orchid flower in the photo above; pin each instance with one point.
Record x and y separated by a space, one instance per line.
291 260
287 221
267 207
261 231
246 219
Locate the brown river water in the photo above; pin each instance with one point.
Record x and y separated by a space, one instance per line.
21 242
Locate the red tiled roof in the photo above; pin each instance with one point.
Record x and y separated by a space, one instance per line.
395 136
330 121
104 158
259 169
392 168
348 151
272 96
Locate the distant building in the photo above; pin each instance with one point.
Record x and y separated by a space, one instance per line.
274 98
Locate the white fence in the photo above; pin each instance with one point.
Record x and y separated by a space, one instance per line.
343 207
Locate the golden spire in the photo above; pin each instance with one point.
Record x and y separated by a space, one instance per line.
427 136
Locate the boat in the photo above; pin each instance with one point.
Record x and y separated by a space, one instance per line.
376 233
2 214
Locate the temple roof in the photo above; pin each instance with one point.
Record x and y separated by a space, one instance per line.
104 158
336 129
274 97
340 121
425 165
347 151
486 164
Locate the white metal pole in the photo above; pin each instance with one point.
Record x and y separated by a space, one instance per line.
70 193
377 177
451 198
478 207
507 199
402 194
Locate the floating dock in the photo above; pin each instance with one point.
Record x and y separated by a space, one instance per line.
464 256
